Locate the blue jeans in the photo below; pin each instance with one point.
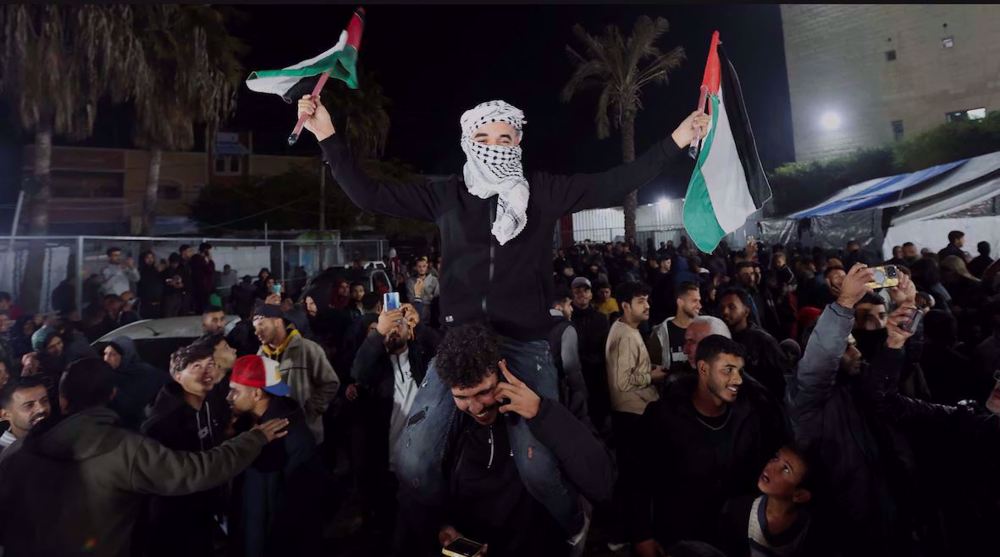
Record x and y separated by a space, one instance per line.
421 446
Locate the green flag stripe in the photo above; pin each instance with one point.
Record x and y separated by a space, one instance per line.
699 213
342 60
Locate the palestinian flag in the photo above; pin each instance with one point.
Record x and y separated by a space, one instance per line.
728 184
293 82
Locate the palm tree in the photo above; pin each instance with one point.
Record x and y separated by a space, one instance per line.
56 63
620 67
192 76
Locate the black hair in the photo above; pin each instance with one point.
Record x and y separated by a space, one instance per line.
212 340
370 301
211 309
871 298
467 355
955 235
712 346
743 265
983 248
808 480
174 258
739 292
361 284
561 295
19 383
183 247
685 287
205 246
186 355
628 291
832 268
112 250
87 383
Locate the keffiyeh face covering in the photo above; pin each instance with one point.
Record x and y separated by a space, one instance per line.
496 169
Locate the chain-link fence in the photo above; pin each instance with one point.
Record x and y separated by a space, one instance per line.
73 264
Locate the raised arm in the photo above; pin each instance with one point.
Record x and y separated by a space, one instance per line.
417 200
578 192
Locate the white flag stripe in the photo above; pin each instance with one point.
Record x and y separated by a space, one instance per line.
724 177
279 85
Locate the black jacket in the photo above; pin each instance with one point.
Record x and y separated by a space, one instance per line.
592 328
137 382
685 484
278 502
766 361
177 425
373 369
509 286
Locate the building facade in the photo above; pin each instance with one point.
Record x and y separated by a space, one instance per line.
101 191
862 76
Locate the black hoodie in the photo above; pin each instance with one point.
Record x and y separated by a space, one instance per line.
137 382
185 525
509 286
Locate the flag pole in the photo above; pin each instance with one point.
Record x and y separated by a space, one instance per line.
702 100
302 119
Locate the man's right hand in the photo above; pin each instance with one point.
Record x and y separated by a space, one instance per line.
387 321
273 429
319 121
855 285
658 374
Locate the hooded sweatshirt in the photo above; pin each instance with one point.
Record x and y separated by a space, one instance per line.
137 383
180 427
82 482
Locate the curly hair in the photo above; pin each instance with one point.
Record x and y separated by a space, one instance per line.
187 355
467 355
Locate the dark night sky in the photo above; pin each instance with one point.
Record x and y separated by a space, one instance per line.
434 62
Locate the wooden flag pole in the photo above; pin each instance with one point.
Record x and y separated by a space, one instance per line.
302 120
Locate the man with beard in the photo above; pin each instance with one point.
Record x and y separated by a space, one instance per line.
24 402
833 425
765 360
388 367
666 343
496 229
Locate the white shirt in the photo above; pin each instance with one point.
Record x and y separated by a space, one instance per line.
403 393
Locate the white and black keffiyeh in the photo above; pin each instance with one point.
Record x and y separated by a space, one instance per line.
496 169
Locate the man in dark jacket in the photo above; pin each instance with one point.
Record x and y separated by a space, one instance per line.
277 508
79 483
202 276
388 367
487 499
497 243
848 447
708 439
137 382
187 417
766 361
956 241
592 328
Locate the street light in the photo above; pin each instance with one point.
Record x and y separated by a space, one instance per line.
830 121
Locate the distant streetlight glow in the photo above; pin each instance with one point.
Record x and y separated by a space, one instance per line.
662 202
830 121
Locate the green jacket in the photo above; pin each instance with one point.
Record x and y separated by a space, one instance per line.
78 484
311 378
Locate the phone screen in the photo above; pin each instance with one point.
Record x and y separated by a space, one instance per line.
464 547
391 301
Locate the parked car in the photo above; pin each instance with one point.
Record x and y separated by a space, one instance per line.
157 339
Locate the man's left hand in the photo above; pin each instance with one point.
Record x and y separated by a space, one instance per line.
894 327
906 293
523 401
695 125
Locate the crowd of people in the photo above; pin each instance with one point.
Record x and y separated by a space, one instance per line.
763 401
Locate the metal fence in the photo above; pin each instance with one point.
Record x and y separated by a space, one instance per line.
66 257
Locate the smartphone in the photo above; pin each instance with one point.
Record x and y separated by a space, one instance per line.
390 301
884 277
463 547
913 322
276 289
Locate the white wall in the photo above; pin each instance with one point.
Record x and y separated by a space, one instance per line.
933 233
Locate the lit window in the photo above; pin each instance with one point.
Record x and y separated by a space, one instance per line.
890 55
976 113
948 42
897 130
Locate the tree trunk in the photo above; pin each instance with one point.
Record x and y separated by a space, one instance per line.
152 190
631 202
30 297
